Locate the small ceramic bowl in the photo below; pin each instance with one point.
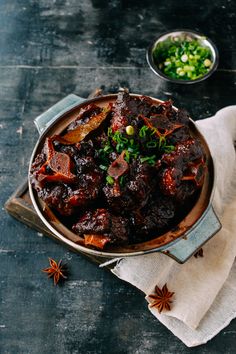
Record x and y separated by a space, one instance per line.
183 34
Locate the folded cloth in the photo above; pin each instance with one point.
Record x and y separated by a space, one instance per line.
205 287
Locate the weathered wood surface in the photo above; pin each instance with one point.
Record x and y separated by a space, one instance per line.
49 49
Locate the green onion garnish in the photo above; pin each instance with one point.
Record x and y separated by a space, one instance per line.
149 159
142 131
103 167
109 180
151 144
169 148
183 58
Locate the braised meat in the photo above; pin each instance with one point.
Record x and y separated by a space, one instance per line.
134 193
156 216
121 174
102 222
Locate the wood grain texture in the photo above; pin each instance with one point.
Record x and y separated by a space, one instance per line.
49 49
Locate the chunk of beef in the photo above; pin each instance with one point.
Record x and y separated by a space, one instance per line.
83 149
164 109
88 188
128 108
161 122
118 200
85 164
185 192
141 106
173 182
181 116
184 153
121 111
155 217
66 199
101 221
86 148
38 162
57 197
97 222
136 191
170 179
179 135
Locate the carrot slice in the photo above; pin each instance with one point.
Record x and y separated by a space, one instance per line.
95 240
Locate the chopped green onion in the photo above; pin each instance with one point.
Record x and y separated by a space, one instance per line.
149 159
107 148
123 140
162 141
133 147
131 142
142 131
127 156
119 147
103 167
169 148
109 180
151 144
185 59
109 132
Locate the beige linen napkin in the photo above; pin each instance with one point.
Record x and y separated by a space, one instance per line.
205 288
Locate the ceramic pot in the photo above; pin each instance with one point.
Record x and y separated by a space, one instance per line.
180 243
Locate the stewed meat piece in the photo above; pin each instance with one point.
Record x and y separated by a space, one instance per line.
61 195
66 199
137 189
102 222
57 197
128 108
155 218
184 152
170 180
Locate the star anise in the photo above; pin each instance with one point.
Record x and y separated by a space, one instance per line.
56 270
199 253
161 298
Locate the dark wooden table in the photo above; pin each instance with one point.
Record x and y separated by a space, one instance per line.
49 49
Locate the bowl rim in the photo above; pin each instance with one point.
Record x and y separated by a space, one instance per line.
52 222
195 34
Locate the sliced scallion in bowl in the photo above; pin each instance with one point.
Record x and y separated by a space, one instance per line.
182 58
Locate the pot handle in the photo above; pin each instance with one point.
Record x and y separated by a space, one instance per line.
193 240
61 107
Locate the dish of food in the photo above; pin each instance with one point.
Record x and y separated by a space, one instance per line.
183 56
121 174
